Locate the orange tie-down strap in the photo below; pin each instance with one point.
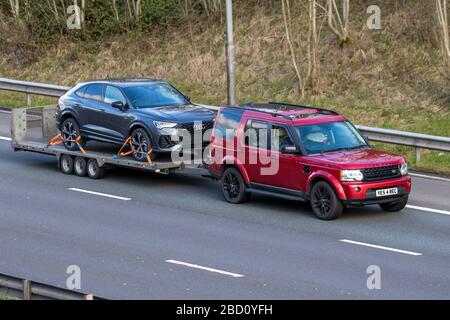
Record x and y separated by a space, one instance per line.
58 139
128 143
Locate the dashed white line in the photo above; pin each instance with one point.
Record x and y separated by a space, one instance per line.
5 138
428 209
4 111
381 247
100 194
429 177
195 266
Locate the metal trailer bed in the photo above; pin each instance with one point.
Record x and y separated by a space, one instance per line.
27 136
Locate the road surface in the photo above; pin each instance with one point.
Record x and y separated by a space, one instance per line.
137 235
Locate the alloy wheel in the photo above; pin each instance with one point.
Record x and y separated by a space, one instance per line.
139 145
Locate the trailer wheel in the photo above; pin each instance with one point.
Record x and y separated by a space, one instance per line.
66 164
94 171
80 166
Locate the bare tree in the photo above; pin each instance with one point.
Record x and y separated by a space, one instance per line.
312 78
116 13
441 11
313 75
288 30
338 22
15 9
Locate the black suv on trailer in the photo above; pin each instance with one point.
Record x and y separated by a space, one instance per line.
148 111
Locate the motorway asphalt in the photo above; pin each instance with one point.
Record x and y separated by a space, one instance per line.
265 249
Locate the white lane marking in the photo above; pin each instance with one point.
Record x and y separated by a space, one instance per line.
190 265
4 111
5 138
429 177
428 209
99 194
381 247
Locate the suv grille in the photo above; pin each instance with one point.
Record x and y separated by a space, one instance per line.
381 173
207 125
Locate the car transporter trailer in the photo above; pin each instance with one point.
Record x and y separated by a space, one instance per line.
34 134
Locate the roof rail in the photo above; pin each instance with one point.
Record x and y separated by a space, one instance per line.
132 79
304 107
274 114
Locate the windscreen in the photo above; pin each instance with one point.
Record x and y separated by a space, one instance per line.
331 136
154 95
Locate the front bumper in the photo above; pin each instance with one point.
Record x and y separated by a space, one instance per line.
364 193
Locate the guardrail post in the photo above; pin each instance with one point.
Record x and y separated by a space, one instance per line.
418 154
26 288
29 100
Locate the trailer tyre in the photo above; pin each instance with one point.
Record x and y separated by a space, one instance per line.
94 171
66 164
80 166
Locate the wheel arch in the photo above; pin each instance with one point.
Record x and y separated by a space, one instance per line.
140 125
328 178
237 166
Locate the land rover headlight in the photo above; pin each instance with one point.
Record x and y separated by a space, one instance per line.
164 125
404 169
351 175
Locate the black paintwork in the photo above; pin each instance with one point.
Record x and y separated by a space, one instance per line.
101 121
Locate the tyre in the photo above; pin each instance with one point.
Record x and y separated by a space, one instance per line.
394 206
93 169
80 166
69 133
140 145
324 201
233 186
66 164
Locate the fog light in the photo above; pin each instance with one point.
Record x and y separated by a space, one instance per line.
357 189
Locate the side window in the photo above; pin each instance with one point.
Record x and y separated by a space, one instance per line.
256 134
228 123
80 92
112 94
94 92
279 137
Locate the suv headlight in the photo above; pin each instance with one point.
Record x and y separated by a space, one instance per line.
351 175
404 169
163 125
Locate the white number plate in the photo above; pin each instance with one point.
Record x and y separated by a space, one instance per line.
387 192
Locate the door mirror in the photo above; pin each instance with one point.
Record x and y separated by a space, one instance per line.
289 149
119 105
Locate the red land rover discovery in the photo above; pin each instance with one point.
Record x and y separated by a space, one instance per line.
303 153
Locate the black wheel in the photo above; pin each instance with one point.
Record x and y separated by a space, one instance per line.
394 206
69 133
66 164
93 170
80 166
233 186
324 201
141 144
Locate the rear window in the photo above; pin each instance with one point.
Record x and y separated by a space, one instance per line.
228 123
80 92
94 92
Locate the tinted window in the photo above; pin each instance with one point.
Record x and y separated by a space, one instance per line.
279 138
112 94
256 134
94 92
154 95
80 92
227 123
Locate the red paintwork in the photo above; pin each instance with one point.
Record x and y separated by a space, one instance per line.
291 174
